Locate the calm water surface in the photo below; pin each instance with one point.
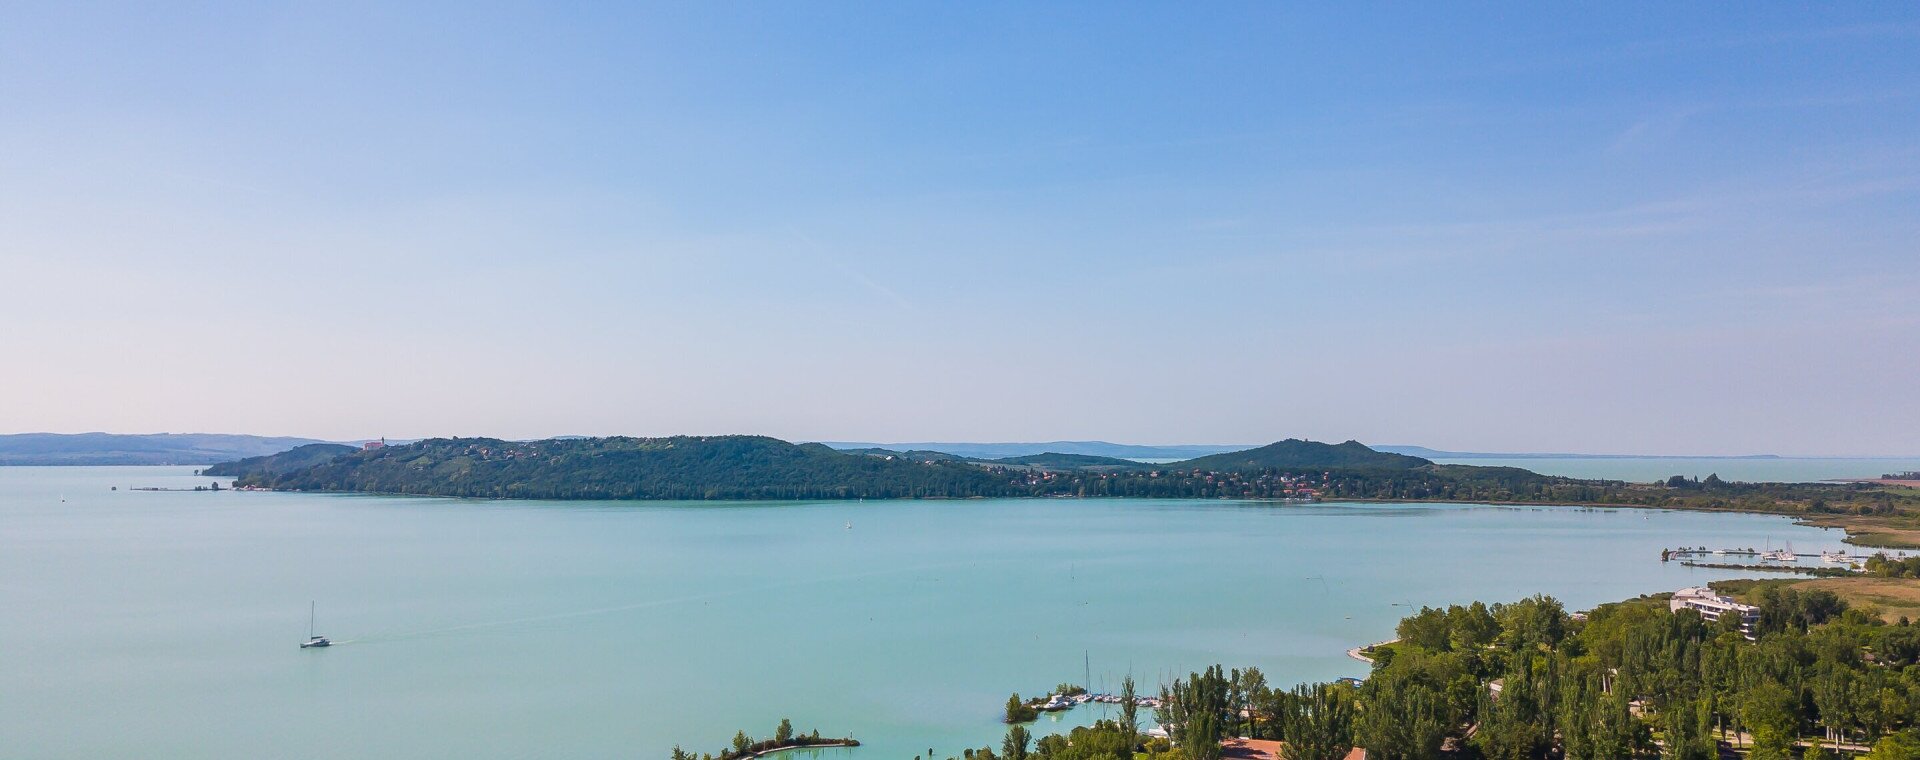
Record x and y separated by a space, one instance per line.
167 624
1648 469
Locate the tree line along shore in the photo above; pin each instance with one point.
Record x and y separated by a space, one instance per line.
761 468
784 738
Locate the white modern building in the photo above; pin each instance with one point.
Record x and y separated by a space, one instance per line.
1712 606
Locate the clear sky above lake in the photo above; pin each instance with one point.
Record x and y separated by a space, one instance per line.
1623 228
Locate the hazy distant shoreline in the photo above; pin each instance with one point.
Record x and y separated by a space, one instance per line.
111 449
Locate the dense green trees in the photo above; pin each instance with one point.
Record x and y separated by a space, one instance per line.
297 458
1014 747
1889 567
1197 712
756 467
1104 740
744 746
1018 711
1610 685
1527 681
1318 722
1412 702
683 467
1904 745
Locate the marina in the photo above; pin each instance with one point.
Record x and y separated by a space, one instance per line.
1785 554
1064 702
1826 563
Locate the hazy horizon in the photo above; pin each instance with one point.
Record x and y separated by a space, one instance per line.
1649 229
983 442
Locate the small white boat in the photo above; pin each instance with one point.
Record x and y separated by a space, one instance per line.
313 640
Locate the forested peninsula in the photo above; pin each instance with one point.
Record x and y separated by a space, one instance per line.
757 467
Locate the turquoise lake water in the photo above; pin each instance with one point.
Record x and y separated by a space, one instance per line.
166 625
1648 469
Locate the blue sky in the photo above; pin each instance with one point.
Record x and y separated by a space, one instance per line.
1620 228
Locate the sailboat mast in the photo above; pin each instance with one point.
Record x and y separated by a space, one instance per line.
312 607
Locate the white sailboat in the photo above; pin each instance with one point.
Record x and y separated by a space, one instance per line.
312 639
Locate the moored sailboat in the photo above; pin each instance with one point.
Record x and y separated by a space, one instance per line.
314 640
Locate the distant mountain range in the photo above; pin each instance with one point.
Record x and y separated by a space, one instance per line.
210 448
1422 451
1189 451
153 449
1084 448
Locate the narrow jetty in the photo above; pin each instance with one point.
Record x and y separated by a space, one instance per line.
784 748
1766 555
1360 653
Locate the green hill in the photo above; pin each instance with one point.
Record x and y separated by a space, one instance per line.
297 458
681 467
1294 454
755 467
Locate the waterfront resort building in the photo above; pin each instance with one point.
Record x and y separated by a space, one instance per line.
1712 606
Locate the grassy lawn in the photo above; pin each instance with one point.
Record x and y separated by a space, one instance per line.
1894 597
1877 531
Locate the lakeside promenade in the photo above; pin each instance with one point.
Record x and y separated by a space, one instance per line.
1360 652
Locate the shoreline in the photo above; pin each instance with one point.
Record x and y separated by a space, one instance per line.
1360 652
1848 524
791 747
1902 482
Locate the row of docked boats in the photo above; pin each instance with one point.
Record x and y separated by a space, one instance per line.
1058 702
1784 555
